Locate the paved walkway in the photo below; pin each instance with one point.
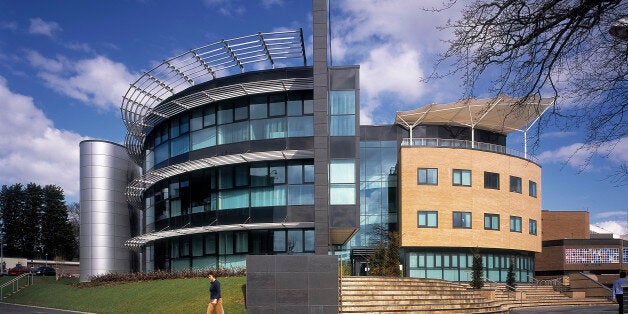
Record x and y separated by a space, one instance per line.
580 309
24 309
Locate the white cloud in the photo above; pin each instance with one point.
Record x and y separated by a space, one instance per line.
41 27
619 227
8 25
32 149
226 7
269 3
98 81
579 155
617 213
392 41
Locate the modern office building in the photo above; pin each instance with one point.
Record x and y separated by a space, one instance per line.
569 246
272 160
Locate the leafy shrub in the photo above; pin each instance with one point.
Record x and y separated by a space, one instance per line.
110 278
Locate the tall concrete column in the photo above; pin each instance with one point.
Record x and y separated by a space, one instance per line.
106 169
321 130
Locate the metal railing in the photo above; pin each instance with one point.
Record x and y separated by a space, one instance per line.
439 142
508 288
15 284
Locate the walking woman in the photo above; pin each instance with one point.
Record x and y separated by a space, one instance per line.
215 299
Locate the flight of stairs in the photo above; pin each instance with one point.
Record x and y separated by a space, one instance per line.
540 296
413 295
398 295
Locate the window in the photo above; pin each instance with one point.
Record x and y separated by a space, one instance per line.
461 177
428 176
515 184
532 226
532 188
491 180
428 219
342 109
342 182
491 221
515 224
462 220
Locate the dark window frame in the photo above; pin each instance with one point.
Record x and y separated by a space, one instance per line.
427 170
491 227
517 188
489 178
461 171
462 214
513 228
426 213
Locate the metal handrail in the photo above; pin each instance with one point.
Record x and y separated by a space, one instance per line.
610 291
15 284
454 143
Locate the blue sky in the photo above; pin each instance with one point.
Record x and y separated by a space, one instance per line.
64 66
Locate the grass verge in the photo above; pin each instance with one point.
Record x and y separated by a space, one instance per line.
157 296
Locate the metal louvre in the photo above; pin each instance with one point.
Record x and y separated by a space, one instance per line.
142 106
138 242
135 190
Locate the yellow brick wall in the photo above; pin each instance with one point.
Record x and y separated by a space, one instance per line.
446 198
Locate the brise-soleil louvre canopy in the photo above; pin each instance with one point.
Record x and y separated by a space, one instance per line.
146 102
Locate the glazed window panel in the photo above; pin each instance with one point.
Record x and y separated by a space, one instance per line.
462 220
268 196
342 171
491 180
491 221
295 105
210 243
197 245
295 241
301 194
232 133
532 188
427 219
277 105
515 184
259 175
241 113
308 240
196 123
515 224
342 125
342 194
342 102
461 177
279 241
300 126
259 111
225 115
162 153
277 174
427 176
241 242
203 138
209 117
268 129
229 199
533 227
225 243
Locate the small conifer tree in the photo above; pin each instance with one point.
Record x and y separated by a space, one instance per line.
510 277
477 281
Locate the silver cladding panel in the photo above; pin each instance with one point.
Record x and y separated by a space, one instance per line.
106 170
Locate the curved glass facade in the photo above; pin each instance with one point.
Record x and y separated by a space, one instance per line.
457 265
259 117
251 189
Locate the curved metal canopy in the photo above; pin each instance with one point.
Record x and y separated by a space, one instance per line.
138 242
502 114
144 96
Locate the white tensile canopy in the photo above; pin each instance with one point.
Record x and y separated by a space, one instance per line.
502 114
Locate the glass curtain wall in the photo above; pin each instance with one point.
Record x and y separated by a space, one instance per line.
259 117
378 196
457 266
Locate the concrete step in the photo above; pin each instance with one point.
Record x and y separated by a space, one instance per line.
419 297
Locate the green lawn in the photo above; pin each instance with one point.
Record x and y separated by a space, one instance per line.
159 296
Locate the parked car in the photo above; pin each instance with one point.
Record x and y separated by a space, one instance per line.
45 271
18 270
